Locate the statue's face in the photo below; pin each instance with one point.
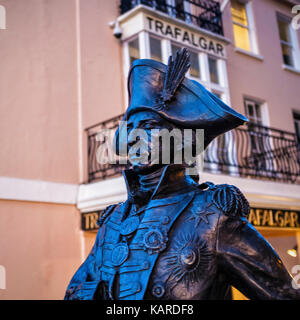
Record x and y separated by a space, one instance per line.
141 152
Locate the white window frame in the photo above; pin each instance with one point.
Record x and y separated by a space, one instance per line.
263 109
265 121
294 44
161 45
250 27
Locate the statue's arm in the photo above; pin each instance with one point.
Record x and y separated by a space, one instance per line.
250 263
83 284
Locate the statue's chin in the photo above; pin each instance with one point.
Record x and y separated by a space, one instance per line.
145 168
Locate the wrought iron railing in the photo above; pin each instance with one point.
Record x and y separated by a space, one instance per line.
251 151
205 14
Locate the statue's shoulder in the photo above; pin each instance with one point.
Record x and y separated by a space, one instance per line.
227 198
105 213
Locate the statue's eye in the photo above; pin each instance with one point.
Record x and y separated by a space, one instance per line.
129 128
148 126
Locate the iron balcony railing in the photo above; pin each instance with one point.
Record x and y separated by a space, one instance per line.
205 14
251 151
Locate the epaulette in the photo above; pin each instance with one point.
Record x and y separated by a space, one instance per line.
228 198
105 213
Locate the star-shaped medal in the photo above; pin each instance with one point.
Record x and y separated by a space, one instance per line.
200 216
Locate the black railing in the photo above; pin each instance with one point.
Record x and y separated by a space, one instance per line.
205 14
251 151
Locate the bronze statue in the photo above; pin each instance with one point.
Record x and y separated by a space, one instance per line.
174 238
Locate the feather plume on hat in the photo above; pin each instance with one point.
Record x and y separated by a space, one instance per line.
174 76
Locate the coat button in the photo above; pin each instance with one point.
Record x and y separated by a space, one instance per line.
165 220
137 287
146 265
158 290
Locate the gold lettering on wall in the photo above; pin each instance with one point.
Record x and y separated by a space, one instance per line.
89 220
274 218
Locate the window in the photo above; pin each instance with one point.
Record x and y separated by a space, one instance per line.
243 25
285 40
297 125
175 48
160 5
253 112
260 157
179 7
155 49
213 69
194 60
134 50
195 67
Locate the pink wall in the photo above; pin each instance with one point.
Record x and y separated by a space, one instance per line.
38 92
40 248
102 77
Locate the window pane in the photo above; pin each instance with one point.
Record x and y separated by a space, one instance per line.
253 111
213 70
155 49
297 128
287 55
238 11
283 27
134 52
241 37
195 68
179 7
161 5
250 110
257 110
175 48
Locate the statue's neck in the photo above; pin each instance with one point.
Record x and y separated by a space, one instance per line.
149 181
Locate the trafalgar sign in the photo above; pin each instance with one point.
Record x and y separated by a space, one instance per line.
185 37
143 19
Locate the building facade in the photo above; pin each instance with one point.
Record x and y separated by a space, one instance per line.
64 66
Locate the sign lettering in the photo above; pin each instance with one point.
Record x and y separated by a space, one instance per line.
186 37
277 218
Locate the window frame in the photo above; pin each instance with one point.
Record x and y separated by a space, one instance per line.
250 27
296 119
150 35
253 103
293 44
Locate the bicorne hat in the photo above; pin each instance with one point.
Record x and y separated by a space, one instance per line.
164 89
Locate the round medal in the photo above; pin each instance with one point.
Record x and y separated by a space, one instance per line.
129 225
119 254
155 240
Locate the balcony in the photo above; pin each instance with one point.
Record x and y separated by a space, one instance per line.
205 14
251 151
